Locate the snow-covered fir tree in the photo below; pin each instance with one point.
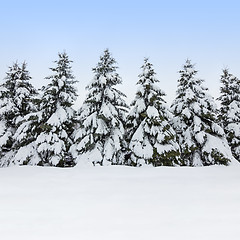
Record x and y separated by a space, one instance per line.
57 116
100 136
16 102
201 139
229 113
150 136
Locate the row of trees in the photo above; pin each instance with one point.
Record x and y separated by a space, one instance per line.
42 128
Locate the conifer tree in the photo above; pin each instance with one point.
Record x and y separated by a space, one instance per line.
17 93
57 117
150 135
201 139
229 113
100 137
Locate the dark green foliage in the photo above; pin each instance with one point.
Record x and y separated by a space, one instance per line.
219 157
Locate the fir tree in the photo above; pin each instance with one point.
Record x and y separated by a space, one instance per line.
150 135
100 137
229 114
201 139
57 117
17 94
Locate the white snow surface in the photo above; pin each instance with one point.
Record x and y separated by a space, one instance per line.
120 203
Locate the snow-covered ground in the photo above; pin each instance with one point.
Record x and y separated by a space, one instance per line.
112 203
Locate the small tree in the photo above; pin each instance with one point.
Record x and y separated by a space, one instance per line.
150 135
100 137
229 113
201 139
57 117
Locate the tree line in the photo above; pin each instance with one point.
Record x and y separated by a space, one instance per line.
41 127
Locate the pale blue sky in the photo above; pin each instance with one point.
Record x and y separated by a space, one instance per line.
168 32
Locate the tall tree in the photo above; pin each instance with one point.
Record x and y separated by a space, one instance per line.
150 135
57 116
201 139
229 113
100 137
17 94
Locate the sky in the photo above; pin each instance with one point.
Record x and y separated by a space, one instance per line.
168 32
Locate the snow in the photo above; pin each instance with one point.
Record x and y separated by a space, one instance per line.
90 120
120 203
59 116
200 137
5 134
152 112
140 105
234 127
25 152
87 158
164 148
108 110
102 127
187 113
220 144
217 129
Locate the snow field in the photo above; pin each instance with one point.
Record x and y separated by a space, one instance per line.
113 203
